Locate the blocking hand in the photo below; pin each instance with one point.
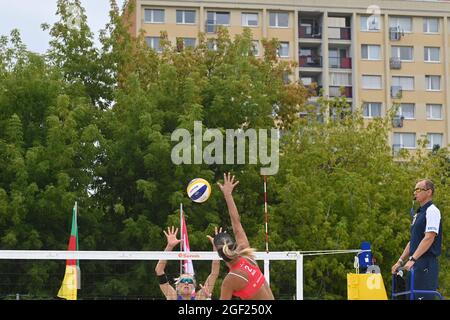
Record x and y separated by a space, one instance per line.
171 236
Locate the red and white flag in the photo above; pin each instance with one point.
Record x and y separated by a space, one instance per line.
188 267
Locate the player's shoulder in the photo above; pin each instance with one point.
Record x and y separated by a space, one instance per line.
432 209
433 212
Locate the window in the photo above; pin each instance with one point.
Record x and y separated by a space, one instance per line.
211 44
333 58
285 78
310 28
370 23
430 25
407 83
255 44
434 111
405 140
153 42
283 49
340 79
339 58
403 23
215 18
186 16
434 139
305 52
307 81
188 42
371 82
154 16
218 18
433 83
403 53
372 110
279 19
406 110
370 52
432 54
249 19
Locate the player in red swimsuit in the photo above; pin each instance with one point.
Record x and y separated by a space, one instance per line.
245 280
185 284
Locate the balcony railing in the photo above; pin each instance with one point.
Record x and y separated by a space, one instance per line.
340 62
310 61
339 33
310 32
339 91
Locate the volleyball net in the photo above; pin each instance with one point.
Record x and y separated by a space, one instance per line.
102 270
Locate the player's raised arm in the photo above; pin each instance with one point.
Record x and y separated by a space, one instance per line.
227 189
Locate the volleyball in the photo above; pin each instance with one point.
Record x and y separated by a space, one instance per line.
199 190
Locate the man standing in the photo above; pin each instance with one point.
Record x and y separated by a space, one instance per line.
424 247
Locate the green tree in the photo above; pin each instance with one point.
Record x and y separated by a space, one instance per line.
95 124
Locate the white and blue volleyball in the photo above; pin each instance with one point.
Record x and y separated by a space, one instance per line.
199 190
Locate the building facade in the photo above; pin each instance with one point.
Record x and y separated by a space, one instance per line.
376 53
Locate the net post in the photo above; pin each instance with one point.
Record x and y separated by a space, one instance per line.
267 269
299 276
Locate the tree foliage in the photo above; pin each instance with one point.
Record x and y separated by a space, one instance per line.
94 125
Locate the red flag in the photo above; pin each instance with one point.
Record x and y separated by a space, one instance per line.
188 267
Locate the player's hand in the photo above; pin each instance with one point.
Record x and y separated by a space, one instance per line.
171 236
228 184
206 292
216 231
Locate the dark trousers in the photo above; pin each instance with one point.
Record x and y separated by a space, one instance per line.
426 271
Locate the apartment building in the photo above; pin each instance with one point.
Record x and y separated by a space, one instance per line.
376 53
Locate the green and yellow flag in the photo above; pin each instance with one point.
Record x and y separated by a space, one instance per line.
71 282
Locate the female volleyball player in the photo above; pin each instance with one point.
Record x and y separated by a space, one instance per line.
185 285
245 280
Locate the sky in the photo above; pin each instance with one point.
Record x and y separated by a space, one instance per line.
28 15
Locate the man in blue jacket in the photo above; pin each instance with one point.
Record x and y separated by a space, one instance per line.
424 247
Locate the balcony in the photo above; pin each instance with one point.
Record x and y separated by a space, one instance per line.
311 61
339 33
395 63
340 62
339 91
310 32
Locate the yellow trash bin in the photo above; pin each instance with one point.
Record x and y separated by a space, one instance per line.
365 286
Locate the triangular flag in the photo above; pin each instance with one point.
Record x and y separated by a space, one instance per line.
188 267
72 277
